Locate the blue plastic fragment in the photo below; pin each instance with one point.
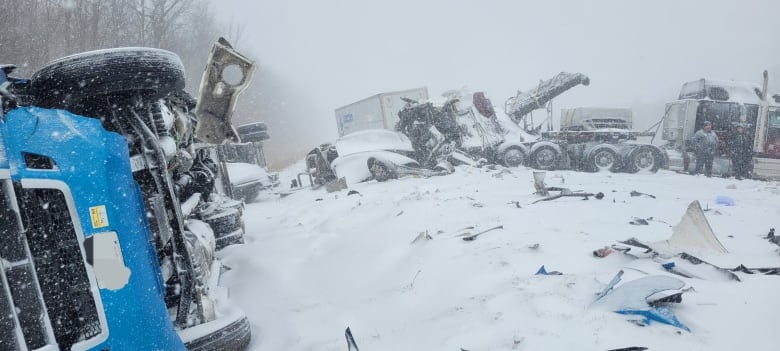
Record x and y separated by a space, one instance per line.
725 200
543 271
668 266
660 314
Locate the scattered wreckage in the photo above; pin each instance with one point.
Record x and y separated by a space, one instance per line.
103 187
650 297
369 154
590 139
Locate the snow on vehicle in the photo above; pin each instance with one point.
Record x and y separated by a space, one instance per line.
109 219
596 139
590 139
243 170
725 104
376 112
766 143
369 154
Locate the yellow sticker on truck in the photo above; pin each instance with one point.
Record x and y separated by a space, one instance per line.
99 216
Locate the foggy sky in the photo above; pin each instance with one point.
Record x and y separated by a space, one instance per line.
637 53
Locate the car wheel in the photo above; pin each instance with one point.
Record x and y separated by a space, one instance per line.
66 81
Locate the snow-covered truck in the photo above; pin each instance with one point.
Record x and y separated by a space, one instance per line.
594 139
376 112
725 104
108 218
589 139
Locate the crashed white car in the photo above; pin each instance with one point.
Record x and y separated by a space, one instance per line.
370 154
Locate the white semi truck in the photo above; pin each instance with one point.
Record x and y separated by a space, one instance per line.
376 112
725 104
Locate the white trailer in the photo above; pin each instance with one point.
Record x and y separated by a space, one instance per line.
376 112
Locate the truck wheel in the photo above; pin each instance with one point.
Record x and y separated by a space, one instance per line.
65 82
644 159
513 157
234 336
603 159
544 158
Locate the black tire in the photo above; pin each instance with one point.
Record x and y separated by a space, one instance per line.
254 137
513 157
66 81
380 171
644 159
602 158
227 225
544 158
252 128
233 337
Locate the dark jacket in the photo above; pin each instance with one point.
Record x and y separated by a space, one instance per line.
741 146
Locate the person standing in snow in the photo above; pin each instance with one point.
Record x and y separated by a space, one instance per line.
705 143
741 150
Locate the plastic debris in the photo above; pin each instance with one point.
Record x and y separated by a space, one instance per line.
474 237
725 200
635 193
602 252
543 271
659 314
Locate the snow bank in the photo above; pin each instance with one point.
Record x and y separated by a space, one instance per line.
315 263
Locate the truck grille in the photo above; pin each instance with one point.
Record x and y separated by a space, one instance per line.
60 266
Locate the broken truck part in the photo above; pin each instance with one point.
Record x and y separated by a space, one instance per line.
102 187
590 139
227 74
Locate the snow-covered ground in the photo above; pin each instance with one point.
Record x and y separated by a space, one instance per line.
315 263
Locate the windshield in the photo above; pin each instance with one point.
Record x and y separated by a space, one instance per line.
726 115
774 118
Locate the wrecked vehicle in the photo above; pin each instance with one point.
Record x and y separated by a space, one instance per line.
243 166
375 112
590 139
109 219
369 154
725 104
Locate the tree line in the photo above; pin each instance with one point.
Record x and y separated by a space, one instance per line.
34 32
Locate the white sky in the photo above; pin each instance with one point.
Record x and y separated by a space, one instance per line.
637 53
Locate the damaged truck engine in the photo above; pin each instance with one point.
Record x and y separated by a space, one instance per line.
109 221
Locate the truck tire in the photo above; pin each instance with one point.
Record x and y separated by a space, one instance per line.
66 81
602 158
232 337
513 157
645 159
544 158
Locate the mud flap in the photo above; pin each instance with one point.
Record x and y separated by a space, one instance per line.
227 74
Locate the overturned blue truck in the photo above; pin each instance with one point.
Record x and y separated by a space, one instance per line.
108 219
